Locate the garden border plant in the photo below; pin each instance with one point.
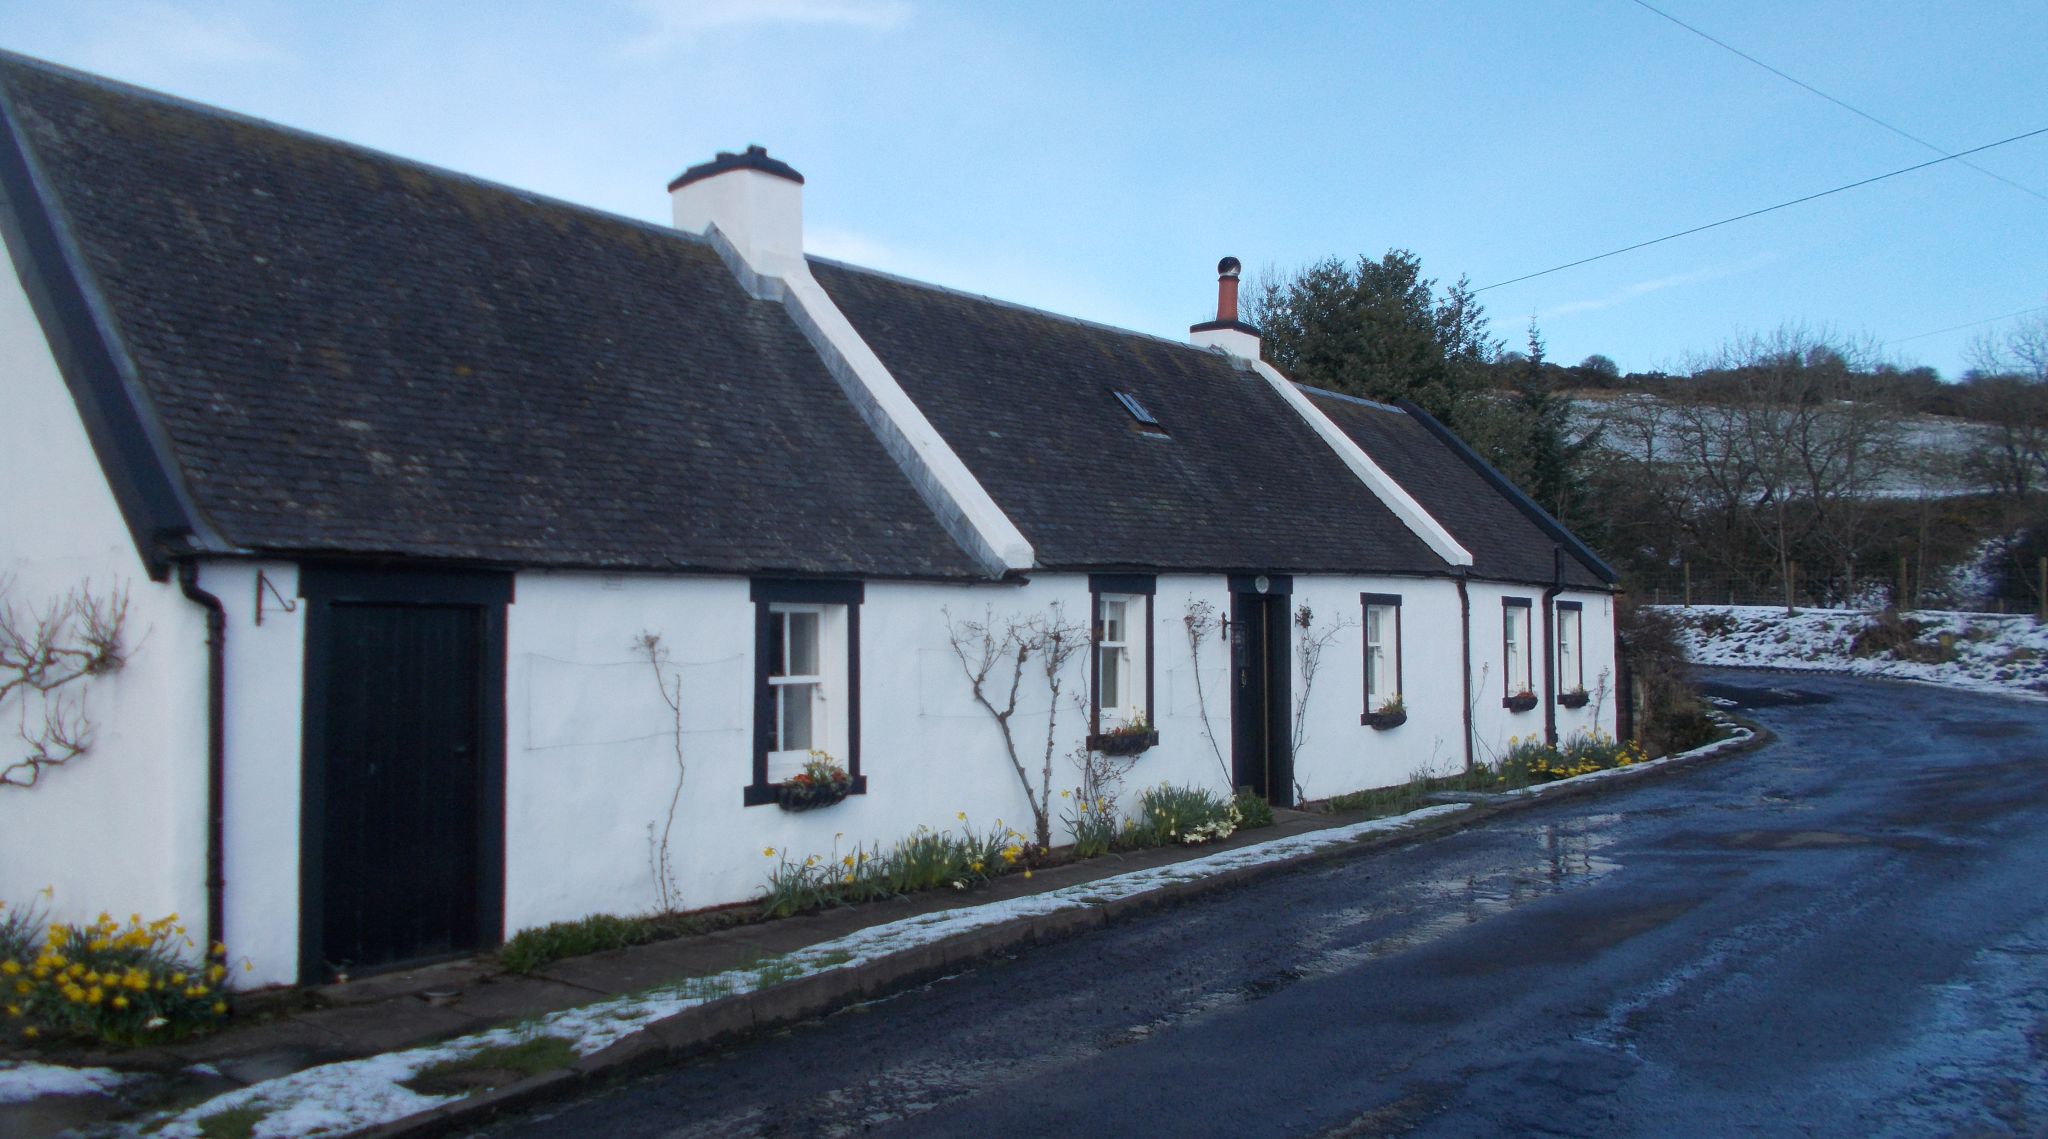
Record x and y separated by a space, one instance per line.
107 982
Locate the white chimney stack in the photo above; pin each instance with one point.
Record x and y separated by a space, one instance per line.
756 201
1226 331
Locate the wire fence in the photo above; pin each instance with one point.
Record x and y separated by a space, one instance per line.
1896 586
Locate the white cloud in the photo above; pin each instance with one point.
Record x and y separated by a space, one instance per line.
674 23
1656 284
148 38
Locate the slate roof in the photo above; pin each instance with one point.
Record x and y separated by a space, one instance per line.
343 351
1505 542
288 345
1026 398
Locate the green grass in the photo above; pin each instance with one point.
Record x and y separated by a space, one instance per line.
232 1123
527 1058
536 948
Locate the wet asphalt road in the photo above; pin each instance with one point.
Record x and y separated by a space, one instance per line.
1845 933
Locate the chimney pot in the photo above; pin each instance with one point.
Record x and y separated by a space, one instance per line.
1226 290
1227 331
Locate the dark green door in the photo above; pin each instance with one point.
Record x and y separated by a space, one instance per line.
1262 756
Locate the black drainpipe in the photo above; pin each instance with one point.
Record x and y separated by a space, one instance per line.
216 751
1550 645
1465 622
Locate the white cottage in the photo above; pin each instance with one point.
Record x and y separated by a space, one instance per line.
484 554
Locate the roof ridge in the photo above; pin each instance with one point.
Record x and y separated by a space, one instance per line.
1019 306
150 95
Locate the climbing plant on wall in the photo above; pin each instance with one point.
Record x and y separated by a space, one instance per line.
48 657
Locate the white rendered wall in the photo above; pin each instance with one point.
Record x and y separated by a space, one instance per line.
1596 638
263 710
123 827
1340 754
591 765
1494 724
590 744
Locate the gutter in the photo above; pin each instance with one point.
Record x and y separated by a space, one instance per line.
1465 623
1550 645
216 751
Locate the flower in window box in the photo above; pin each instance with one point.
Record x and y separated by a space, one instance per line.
1575 698
821 783
1129 738
1391 713
1520 702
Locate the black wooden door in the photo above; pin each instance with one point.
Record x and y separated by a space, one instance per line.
403 750
1261 752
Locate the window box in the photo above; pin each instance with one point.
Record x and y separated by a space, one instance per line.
1391 713
802 795
1576 698
1519 702
1125 742
820 784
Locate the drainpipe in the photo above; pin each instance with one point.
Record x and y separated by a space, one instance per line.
1550 645
1465 622
216 751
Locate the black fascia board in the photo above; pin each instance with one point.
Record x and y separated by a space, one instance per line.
133 454
1515 495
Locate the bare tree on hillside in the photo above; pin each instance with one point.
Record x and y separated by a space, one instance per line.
1783 442
2007 394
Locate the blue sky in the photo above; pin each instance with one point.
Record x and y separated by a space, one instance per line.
1098 158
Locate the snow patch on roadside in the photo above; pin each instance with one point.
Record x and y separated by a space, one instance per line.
22 1082
356 1094
2007 655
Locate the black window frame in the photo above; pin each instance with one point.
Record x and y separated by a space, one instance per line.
767 593
1365 603
1528 608
1129 584
1557 650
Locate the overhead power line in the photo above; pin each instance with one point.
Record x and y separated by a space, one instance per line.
1858 111
1967 324
1761 212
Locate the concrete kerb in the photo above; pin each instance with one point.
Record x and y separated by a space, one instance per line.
702 1028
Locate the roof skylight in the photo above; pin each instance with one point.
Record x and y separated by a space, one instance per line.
1137 410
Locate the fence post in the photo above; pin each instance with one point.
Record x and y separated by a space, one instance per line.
2041 610
1687 567
1792 575
1899 599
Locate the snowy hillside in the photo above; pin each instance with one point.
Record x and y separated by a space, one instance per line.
1979 651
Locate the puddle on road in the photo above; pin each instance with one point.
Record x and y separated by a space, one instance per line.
1551 858
1565 855
1789 840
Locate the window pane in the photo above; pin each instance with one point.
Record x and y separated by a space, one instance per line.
1113 621
796 715
1375 674
777 642
803 644
1112 677
1373 615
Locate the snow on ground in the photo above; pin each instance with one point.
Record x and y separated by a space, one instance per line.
1988 652
356 1094
20 1083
